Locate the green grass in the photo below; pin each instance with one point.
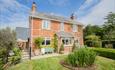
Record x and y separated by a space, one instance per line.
52 63
105 63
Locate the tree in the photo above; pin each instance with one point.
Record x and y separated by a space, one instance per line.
109 27
93 29
55 43
93 40
7 42
38 41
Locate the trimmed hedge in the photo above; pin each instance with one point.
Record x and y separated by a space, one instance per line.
105 52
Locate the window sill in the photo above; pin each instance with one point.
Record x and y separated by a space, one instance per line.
67 45
46 29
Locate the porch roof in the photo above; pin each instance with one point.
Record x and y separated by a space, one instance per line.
64 34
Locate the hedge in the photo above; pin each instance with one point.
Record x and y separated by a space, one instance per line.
105 52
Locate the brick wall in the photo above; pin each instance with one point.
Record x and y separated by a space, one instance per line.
55 27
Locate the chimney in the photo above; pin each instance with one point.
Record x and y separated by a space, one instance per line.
33 9
72 17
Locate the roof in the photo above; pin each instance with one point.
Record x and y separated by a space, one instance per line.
54 17
64 34
22 33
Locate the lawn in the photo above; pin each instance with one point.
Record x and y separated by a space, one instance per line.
52 63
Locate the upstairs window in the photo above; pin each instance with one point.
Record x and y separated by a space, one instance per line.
74 28
46 24
62 27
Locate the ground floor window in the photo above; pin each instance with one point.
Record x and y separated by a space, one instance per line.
67 41
46 41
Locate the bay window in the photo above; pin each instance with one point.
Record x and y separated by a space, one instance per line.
67 41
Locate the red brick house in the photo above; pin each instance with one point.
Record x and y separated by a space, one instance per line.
45 25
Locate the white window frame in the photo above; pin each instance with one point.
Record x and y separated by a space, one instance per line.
61 26
74 28
47 38
46 24
69 39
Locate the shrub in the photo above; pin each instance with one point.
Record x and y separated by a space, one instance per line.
16 58
1 64
38 41
105 52
55 43
82 57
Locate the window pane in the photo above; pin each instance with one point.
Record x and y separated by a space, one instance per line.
67 42
46 24
47 42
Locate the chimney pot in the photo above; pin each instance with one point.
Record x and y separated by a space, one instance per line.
72 16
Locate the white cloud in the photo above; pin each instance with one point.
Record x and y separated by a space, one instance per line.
98 13
86 7
13 14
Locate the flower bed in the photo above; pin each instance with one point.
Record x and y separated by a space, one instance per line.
82 59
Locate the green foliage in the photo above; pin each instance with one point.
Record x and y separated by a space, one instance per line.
93 40
55 43
82 57
46 46
93 29
109 27
16 58
7 42
105 52
105 32
61 48
38 41
53 63
1 64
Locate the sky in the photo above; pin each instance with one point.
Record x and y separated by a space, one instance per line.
14 13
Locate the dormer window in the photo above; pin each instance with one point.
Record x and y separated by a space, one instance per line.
74 28
62 27
46 24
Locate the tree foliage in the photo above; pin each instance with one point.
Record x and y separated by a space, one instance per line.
105 31
38 41
7 42
109 27
93 40
55 43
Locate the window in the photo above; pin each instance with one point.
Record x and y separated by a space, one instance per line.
46 41
74 28
45 24
67 41
62 27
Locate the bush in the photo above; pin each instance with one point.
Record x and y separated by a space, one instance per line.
16 58
1 64
105 52
38 41
82 57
